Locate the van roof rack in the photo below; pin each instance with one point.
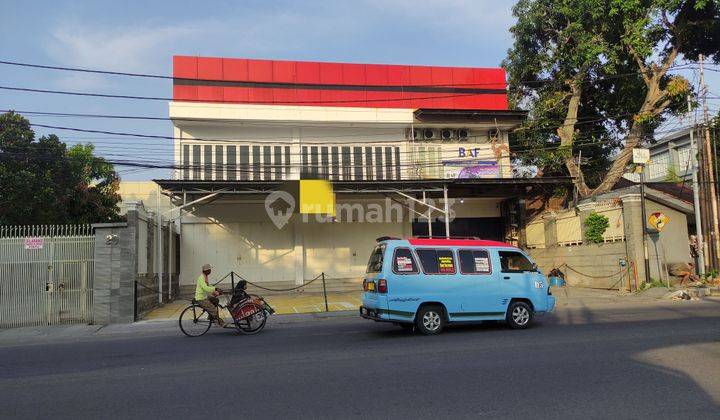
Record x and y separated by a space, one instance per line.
473 238
385 238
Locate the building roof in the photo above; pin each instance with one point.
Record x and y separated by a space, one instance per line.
276 82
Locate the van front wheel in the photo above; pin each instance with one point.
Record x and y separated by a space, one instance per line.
430 320
519 315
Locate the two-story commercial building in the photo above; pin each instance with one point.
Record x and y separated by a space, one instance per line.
388 137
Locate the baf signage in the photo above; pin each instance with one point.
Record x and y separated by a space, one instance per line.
469 165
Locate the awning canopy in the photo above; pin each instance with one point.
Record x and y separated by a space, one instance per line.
472 187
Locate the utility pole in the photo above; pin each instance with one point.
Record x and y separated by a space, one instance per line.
644 224
696 196
714 233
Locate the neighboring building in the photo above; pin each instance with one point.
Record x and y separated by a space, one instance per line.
380 133
557 239
669 159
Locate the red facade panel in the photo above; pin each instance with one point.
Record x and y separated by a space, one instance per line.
331 74
210 68
185 67
260 70
235 69
284 71
353 74
308 72
356 85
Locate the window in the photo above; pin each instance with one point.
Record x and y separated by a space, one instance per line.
514 262
378 163
287 162
304 170
231 163
266 163
219 165
324 162
186 161
436 261
369 163
346 168
244 163
314 162
388 163
256 163
403 262
277 152
397 163
375 262
208 162
335 164
357 153
474 261
196 161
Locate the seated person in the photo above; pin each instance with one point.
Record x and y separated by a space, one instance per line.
202 290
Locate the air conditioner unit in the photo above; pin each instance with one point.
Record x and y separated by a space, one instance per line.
462 134
411 134
447 134
428 134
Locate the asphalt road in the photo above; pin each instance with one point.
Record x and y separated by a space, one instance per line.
651 360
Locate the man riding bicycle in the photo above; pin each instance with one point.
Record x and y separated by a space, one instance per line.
202 289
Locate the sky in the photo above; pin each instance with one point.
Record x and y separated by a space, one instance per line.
142 37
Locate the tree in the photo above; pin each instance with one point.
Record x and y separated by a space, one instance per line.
44 182
595 76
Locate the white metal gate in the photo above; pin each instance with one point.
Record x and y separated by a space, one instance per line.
46 275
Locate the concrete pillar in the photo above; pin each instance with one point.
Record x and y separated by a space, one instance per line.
632 220
550 230
114 272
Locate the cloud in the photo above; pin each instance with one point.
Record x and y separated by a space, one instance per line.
122 48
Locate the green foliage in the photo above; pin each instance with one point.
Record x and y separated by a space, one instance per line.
672 175
604 48
44 182
595 226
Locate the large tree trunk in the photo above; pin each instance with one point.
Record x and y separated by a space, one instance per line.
654 104
567 134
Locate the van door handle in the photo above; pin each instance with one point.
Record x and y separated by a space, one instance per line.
506 277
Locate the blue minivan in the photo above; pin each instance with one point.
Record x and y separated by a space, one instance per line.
427 283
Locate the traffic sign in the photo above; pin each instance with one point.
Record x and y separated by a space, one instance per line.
658 220
641 156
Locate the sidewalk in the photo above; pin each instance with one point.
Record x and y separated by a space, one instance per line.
296 303
299 303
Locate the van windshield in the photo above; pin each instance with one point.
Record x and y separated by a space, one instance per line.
376 259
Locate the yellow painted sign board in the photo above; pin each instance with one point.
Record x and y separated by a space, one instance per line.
316 197
658 220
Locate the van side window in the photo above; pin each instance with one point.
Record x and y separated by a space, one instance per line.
375 262
437 261
514 262
404 262
474 261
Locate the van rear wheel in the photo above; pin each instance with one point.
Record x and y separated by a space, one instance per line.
519 315
430 320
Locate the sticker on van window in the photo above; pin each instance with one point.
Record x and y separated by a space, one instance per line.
482 264
446 265
404 264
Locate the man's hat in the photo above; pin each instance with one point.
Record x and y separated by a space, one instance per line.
206 267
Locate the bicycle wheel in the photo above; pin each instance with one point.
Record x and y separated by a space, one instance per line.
194 321
254 323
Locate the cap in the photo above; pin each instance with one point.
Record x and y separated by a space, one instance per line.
206 267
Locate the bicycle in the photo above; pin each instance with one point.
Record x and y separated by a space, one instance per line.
249 317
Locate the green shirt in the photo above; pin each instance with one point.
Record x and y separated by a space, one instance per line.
202 288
